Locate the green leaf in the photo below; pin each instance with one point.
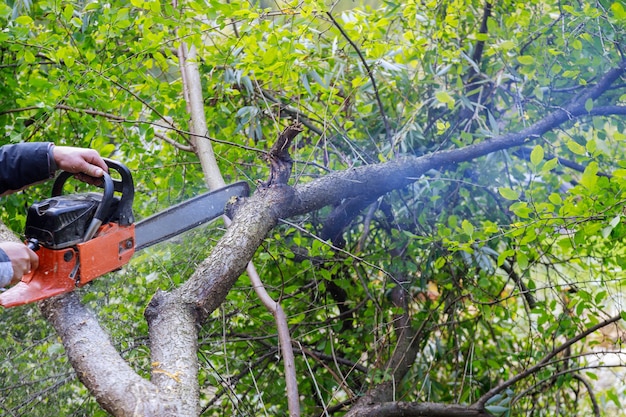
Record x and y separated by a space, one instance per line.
589 104
68 12
504 255
526 60
549 165
576 148
445 98
494 399
520 208
508 193
555 198
467 227
536 156
29 58
24 20
496 409
618 10
590 177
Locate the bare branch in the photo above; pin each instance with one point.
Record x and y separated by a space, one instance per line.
414 409
284 338
592 396
193 93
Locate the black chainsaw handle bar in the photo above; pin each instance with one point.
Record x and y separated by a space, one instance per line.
124 185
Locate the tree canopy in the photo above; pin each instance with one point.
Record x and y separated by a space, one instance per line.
437 223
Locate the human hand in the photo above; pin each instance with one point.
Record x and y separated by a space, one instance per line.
83 162
23 260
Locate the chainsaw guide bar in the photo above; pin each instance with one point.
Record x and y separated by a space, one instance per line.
186 215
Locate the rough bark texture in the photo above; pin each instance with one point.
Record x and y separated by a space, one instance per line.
400 409
173 350
279 158
208 286
114 384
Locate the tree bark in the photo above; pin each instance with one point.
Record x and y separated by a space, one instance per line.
114 384
403 409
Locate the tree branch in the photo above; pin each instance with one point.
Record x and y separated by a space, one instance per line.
193 92
378 179
414 409
114 384
279 158
284 339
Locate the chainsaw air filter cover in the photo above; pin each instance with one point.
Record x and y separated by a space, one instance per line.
60 222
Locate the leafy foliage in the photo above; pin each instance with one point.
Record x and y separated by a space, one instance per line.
494 263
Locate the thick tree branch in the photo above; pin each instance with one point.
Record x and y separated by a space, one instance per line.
173 350
404 409
378 179
114 384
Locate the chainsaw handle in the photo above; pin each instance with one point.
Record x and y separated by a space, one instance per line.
124 186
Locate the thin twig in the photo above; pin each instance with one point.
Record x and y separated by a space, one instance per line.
370 74
545 361
284 339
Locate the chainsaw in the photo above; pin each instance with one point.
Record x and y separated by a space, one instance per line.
80 237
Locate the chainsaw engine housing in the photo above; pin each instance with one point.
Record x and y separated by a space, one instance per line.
60 222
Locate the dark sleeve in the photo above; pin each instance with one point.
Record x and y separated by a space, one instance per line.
23 164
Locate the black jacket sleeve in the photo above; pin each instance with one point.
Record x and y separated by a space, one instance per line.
23 164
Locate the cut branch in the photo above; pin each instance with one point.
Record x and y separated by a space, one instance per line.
279 158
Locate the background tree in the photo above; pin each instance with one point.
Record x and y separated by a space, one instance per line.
449 241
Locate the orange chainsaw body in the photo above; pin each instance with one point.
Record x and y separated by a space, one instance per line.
80 237
62 270
77 238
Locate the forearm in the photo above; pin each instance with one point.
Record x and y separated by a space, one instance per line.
24 164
